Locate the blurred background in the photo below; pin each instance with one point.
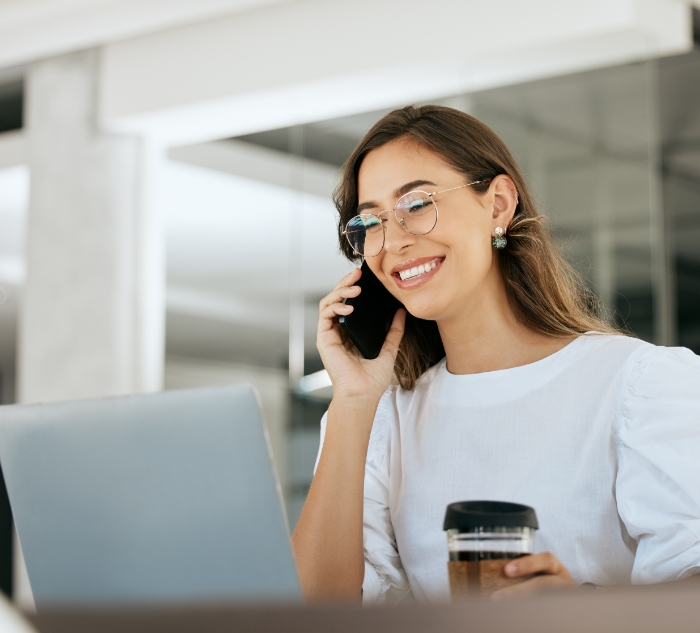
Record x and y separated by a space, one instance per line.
166 171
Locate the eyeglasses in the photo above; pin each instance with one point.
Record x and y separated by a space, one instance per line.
415 211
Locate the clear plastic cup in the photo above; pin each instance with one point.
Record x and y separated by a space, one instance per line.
482 537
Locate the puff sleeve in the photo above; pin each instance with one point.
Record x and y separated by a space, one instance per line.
658 480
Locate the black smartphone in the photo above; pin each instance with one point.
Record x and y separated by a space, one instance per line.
368 324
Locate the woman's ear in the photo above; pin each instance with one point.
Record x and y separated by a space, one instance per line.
505 201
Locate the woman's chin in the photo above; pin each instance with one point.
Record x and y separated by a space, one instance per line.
425 312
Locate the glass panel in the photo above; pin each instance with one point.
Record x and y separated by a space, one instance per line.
584 142
680 126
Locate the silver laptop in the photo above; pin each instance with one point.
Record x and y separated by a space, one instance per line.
148 499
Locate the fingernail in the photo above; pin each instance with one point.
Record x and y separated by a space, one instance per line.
511 568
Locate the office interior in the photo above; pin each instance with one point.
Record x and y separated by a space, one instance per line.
217 236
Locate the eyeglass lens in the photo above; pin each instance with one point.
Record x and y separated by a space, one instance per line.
416 213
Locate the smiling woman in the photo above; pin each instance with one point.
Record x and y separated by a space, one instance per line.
536 400
544 292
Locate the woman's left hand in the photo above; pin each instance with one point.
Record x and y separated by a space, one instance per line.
551 573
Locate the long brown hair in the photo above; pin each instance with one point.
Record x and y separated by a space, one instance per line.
545 293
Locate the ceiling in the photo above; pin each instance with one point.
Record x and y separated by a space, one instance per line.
35 29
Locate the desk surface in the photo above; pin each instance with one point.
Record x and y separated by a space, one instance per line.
666 608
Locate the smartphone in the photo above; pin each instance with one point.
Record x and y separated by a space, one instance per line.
368 324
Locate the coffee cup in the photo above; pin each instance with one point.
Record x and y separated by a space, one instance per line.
482 538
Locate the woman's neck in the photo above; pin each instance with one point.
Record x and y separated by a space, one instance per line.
485 335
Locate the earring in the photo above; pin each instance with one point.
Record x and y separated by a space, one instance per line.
499 242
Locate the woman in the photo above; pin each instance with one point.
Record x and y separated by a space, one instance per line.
537 401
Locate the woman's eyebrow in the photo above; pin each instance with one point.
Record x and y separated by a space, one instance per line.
403 189
409 186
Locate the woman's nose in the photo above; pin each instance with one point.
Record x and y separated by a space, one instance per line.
396 237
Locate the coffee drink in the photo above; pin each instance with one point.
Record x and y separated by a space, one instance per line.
470 575
483 536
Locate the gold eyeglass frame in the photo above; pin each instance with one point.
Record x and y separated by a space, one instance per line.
401 223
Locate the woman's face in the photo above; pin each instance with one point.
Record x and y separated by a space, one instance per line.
459 245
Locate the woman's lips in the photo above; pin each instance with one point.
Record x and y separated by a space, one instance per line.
430 267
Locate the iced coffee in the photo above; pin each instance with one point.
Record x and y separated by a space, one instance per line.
482 537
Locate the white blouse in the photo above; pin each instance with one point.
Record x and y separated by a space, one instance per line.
602 438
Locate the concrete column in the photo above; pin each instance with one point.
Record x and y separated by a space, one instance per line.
92 316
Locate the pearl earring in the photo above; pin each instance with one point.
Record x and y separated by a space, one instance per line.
499 242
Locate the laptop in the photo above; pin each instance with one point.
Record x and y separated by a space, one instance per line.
148 499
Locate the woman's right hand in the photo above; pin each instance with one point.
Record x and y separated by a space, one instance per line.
353 376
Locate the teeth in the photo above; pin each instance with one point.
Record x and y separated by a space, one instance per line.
417 270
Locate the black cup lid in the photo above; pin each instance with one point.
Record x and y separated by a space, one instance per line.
475 514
